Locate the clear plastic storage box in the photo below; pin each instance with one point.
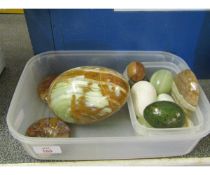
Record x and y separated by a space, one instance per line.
118 137
196 120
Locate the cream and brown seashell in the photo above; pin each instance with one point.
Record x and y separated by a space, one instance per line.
185 90
87 94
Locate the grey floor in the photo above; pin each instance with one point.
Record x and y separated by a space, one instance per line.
16 47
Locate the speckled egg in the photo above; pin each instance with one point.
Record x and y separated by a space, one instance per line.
88 94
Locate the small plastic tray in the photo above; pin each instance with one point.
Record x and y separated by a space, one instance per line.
196 119
113 138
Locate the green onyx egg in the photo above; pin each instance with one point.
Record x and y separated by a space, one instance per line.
164 114
162 81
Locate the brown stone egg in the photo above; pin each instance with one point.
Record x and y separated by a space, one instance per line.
135 71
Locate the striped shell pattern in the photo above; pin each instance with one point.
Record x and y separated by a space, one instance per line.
88 94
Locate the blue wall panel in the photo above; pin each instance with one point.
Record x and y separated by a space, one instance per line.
202 53
40 30
183 33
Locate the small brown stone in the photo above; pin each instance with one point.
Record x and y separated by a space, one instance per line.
49 127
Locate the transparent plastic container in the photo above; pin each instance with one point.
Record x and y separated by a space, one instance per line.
196 118
114 138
